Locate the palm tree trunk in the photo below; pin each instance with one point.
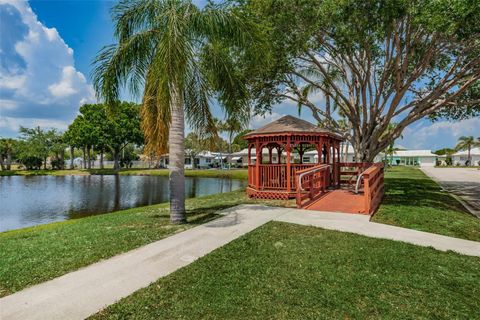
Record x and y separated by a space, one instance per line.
468 157
84 157
177 158
230 149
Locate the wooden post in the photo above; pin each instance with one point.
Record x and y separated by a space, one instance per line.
288 149
258 154
338 167
366 193
319 151
334 167
270 154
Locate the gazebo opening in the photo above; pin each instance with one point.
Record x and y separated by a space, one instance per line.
292 158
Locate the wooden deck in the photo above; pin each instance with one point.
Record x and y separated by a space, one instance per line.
340 201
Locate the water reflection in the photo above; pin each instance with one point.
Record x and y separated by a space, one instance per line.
28 201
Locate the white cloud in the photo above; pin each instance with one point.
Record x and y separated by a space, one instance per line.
437 135
47 86
9 124
68 84
259 121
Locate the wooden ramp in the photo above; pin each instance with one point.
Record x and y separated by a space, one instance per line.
340 201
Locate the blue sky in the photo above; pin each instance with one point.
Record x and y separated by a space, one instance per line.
46 50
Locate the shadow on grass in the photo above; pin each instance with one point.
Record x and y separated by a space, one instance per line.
417 192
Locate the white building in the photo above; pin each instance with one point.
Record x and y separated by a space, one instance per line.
422 158
203 160
460 158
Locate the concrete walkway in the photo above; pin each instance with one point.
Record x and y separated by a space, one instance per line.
464 183
81 293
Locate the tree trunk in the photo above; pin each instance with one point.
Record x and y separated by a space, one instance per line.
84 158
2 165
230 150
177 158
468 158
62 159
345 154
89 159
45 163
192 159
9 160
116 159
101 159
72 155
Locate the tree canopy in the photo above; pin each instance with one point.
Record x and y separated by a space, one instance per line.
376 61
97 126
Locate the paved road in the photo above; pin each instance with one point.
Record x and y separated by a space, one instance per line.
463 182
81 293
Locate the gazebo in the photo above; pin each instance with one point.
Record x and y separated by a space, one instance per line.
273 175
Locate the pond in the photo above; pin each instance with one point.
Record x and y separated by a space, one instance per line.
30 201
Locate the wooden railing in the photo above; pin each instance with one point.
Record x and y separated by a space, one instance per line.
311 183
274 176
373 187
349 171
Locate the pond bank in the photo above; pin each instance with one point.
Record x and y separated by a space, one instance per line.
34 255
207 173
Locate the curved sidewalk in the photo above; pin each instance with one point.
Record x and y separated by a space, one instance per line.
81 293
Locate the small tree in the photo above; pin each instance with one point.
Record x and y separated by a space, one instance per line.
194 145
232 126
7 150
41 143
122 128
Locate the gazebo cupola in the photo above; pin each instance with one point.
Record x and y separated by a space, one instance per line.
276 152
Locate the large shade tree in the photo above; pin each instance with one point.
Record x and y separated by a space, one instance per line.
176 56
375 61
97 128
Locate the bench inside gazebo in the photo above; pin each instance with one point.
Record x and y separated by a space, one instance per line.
325 184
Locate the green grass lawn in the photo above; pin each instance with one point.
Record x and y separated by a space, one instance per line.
284 271
210 173
415 201
33 255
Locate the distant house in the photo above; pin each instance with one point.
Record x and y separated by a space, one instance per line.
203 160
460 158
240 158
422 158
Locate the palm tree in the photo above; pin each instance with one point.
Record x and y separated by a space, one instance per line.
177 56
466 143
232 126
